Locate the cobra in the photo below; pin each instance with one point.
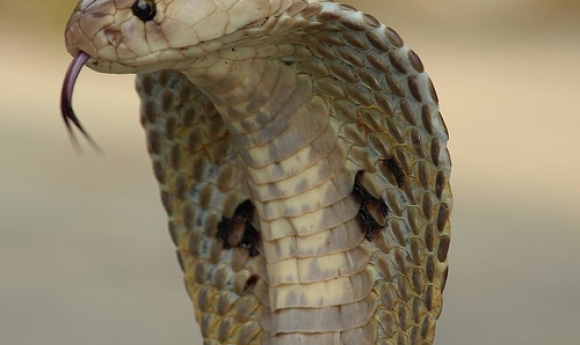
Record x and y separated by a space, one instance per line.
301 158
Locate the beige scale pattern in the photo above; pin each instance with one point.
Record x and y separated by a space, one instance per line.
288 107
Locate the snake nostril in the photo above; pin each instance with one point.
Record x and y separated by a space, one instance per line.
114 37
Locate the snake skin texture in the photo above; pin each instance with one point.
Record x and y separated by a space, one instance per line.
301 159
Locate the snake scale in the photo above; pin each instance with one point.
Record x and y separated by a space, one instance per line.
301 158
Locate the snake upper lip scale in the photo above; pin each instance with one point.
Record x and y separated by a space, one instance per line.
301 158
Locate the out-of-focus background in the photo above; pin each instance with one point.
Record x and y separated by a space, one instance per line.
85 257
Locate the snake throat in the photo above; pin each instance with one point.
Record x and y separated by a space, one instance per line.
68 114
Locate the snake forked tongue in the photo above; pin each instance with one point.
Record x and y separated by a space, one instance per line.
68 114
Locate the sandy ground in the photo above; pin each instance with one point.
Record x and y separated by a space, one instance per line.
85 257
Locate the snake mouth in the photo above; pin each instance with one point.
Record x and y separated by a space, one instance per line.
68 115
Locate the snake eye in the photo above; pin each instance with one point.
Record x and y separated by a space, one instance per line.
144 9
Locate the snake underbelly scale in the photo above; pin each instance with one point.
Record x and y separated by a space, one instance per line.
301 158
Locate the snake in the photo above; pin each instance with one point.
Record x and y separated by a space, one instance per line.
301 158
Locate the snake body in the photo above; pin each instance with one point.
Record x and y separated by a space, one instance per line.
301 158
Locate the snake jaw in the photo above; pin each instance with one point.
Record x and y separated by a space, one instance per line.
68 114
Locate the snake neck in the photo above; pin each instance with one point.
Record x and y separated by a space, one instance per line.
298 175
284 134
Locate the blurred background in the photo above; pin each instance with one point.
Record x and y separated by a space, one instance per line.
85 257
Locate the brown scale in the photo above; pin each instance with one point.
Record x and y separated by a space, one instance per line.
238 231
372 215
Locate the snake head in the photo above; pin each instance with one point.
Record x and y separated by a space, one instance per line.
138 36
